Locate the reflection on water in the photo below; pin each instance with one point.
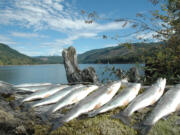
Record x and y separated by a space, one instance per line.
48 73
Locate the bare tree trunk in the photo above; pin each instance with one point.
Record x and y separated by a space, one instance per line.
73 73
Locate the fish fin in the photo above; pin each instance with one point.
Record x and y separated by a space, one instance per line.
125 119
92 114
166 117
87 115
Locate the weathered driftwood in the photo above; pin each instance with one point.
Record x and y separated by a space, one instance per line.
73 73
133 74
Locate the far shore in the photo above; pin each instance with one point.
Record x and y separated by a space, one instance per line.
63 64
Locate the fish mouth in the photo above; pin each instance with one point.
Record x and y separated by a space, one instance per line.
161 82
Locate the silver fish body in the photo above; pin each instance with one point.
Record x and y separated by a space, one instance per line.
149 97
56 96
73 97
122 99
93 101
44 93
31 84
34 88
168 104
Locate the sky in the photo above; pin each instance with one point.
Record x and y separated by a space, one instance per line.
45 27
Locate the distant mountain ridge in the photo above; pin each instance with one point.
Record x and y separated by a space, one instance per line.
9 56
123 53
49 59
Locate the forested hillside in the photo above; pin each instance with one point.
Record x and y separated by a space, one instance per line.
123 53
9 56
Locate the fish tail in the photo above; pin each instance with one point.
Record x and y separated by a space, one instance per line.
56 124
54 127
27 107
15 104
144 129
124 118
137 126
50 111
19 104
44 117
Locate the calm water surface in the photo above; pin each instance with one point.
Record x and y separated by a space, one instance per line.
49 73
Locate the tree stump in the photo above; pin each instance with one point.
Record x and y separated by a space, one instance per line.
133 74
73 73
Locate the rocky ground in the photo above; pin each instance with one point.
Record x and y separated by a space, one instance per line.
16 120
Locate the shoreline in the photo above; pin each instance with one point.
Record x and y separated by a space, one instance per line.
79 63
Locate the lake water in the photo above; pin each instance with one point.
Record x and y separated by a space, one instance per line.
50 73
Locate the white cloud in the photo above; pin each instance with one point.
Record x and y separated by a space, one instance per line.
58 6
53 15
6 40
50 14
48 1
110 45
29 51
55 52
59 44
27 35
148 36
69 40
